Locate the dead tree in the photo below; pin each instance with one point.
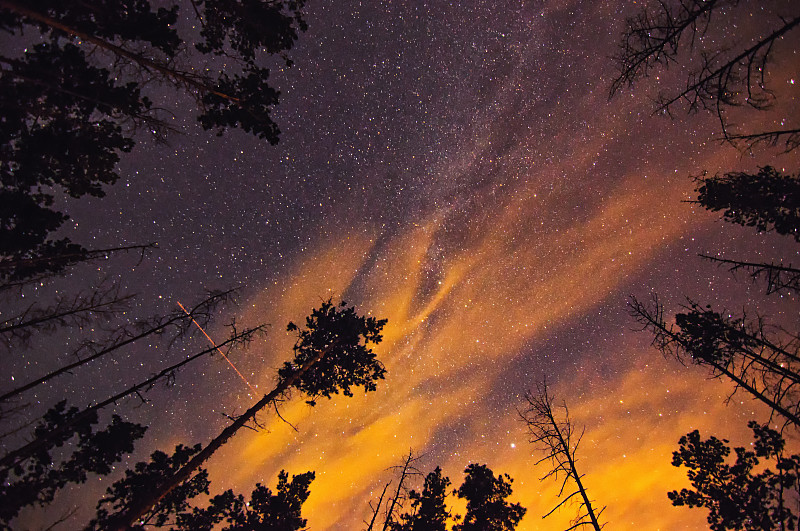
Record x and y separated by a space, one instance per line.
124 336
46 439
727 76
651 39
741 350
560 441
407 470
19 272
77 310
778 277
377 509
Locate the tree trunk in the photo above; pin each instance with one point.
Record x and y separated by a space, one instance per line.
16 456
138 508
181 77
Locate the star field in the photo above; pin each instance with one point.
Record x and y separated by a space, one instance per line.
458 169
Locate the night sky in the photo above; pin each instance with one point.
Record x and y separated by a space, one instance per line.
456 168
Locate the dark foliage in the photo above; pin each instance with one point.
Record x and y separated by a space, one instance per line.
36 479
333 336
738 349
331 343
428 508
267 511
51 139
142 479
251 109
768 200
72 102
487 507
126 20
742 495
43 437
250 26
278 511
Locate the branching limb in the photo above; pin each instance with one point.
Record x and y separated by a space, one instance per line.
78 310
125 336
777 276
557 438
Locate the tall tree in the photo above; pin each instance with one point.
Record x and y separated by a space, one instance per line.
744 495
737 349
139 480
55 432
428 511
332 354
487 507
395 504
65 311
278 511
72 102
560 441
178 321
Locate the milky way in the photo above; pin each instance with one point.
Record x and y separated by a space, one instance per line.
458 170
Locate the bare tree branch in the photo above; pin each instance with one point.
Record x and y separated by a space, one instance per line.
407 470
78 310
778 277
125 336
560 443
15 457
737 349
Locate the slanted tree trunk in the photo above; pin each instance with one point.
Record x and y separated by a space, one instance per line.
138 508
764 368
178 76
17 456
406 470
556 437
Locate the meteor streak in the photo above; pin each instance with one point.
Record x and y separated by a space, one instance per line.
217 348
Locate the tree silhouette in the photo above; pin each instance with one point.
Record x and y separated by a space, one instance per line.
731 75
428 511
742 495
737 349
138 481
278 511
329 356
37 479
407 471
55 432
560 444
487 507
331 343
72 103
65 311
779 278
65 445
768 200
124 336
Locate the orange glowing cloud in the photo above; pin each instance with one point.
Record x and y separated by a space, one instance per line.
454 324
470 290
